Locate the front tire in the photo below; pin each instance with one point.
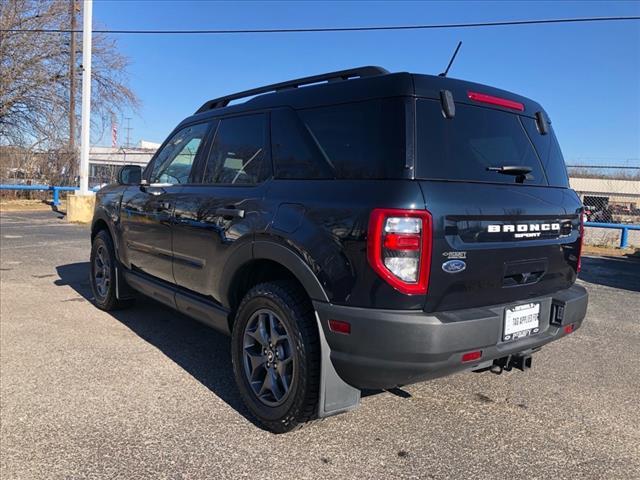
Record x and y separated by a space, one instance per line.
103 273
276 356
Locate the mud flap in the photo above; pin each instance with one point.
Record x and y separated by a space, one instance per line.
336 396
123 290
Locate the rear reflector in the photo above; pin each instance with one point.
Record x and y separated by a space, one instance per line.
581 241
569 328
402 241
471 356
501 102
339 326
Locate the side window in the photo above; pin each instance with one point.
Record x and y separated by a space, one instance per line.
238 153
549 153
360 140
173 163
295 154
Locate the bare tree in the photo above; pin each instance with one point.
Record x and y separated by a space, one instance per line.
35 77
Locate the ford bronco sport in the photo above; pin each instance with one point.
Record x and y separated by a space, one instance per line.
354 230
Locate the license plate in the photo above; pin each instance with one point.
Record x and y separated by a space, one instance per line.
521 321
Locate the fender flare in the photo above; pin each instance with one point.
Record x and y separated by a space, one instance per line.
123 291
292 261
102 216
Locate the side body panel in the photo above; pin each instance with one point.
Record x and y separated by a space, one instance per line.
211 224
107 210
325 222
145 220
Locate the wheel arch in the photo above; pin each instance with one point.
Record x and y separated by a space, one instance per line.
270 261
101 223
273 261
97 225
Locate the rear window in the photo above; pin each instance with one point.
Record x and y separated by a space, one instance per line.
359 140
461 148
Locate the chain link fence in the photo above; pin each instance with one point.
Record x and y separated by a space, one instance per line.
60 168
610 194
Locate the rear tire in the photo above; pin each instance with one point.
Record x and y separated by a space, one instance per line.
276 356
103 274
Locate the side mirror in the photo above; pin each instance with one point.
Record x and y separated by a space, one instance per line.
130 175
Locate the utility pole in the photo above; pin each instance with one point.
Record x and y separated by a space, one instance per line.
86 97
72 82
128 129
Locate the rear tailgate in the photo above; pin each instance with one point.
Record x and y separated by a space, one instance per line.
516 242
497 238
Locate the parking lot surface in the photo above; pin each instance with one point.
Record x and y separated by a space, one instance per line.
149 393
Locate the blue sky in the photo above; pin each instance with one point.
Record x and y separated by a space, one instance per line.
586 75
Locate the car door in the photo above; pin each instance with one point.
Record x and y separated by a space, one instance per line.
147 209
215 218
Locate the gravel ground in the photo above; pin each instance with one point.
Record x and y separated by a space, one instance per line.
148 393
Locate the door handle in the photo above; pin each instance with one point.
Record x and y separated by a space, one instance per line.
230 212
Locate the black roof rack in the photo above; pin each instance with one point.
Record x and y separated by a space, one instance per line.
359 72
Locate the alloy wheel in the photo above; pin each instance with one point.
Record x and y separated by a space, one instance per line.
102 271
268 357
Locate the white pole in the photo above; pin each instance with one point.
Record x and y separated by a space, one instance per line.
85 136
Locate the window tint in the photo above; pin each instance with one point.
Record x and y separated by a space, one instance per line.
295 154
238 153
360 140
461 148
549 153
173 163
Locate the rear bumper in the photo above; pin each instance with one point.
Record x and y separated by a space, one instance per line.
388 348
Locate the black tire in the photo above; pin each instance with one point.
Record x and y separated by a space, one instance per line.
296 337
103 265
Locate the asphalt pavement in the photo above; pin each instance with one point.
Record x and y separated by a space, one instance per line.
149 393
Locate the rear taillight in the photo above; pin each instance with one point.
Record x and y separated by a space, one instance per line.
399 248
580 242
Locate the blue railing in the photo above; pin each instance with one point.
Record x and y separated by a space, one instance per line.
624 236
55 189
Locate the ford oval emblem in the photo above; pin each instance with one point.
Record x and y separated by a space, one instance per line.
454 266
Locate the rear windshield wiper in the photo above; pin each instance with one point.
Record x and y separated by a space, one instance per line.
521 172
511 169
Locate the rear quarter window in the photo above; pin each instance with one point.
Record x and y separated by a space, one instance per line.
294 152
461 148
361 140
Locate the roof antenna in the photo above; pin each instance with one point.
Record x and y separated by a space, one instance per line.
444 74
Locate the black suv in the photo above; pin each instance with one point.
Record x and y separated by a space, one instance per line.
354 230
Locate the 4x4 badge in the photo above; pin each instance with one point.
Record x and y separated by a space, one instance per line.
452 255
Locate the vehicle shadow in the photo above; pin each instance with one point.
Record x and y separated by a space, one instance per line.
616 272
202 352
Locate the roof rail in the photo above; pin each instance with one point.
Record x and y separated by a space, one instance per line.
359 72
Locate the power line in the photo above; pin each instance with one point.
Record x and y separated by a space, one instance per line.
336 29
